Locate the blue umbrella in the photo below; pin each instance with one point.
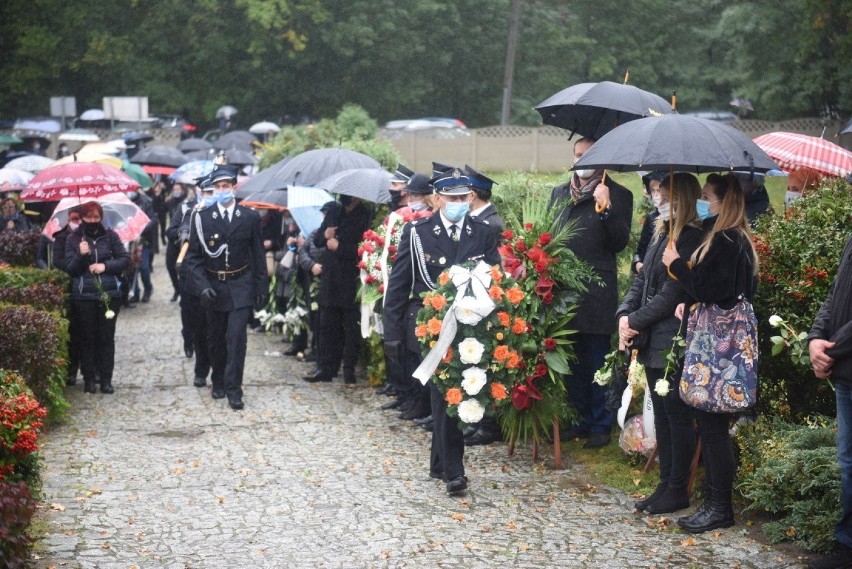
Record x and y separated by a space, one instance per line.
191 171
304 205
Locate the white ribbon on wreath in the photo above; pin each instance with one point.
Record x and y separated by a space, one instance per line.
470 306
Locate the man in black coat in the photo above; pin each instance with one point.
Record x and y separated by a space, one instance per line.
435 250
603 214
148 242
339 312
228 267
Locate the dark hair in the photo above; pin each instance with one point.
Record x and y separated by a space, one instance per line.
88 207
484 195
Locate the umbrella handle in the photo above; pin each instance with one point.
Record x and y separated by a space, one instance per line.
600 208
671 245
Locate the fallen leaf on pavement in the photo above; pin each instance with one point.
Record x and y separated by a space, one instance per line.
57 507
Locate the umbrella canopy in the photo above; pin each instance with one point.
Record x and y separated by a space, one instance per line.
678 142
137 137
240 157
93 115
226 112
594 109
40 125
136 172
13 180
741 103
263 181
308 168
79 135
371 184
269 199
82 156
304 205
845 129
191 171
793 151
201 154
192 144
30 163
236 139
264 127
110 147
160 155
77 179
7 139
120 214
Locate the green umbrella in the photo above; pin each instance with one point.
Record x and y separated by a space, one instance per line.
136 172
9 139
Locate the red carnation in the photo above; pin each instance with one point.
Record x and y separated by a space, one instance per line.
545 239
528 226
536 254
508 234
540 267
549 344
521 245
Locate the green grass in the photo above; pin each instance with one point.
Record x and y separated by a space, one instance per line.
613 467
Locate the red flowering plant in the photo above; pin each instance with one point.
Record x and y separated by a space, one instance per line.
472 338
21 419
551 277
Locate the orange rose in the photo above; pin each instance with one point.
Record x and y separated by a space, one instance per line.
427 299
421 331
513 361
520 327
496 274
495 292
515 295
444 279
501 352
439 301
498 391
433 326
504 318
448 357
454 396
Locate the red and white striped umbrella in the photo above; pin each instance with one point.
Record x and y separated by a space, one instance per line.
120 214
793 151
77 179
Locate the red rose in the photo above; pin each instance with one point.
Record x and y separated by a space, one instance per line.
370 279
549 344
544 239
520 397
508 234
391 249
540 371
520 245
547 298
540 267
506 251
362 265
510 264
543 286
368 247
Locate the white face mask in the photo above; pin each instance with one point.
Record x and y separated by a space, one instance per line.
584 174
73 225
657 199
418 206
665 211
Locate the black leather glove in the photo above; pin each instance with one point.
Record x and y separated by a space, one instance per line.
393 350
208 295
260 301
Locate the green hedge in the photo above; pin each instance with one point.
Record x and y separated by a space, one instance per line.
19 248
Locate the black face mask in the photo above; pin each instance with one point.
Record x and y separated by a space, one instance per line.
396 200
345 200
91 228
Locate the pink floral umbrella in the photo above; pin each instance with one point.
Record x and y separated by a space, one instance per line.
120 214
78 180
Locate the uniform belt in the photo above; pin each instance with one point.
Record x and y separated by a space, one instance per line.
225 275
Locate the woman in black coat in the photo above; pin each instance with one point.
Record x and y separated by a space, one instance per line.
95 257
646 319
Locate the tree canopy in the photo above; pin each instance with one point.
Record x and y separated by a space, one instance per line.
287 59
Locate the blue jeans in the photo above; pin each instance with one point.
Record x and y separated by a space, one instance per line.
843 529
144 272
587 396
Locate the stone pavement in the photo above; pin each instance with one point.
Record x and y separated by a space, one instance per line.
313 475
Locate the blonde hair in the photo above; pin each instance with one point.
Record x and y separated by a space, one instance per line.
685 191
732 215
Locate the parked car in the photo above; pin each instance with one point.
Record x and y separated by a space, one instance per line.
426 122
722 116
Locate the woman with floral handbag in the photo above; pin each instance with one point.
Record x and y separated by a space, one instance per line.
720 368
646 321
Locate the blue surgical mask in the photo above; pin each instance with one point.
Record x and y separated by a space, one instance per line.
208 200
702 208
223 197
455 211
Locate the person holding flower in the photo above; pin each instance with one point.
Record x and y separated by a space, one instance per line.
646 321
721 271
428 247
95 257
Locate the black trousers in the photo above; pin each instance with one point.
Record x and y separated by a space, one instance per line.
720 464
339 338
447 456
73 344
172 252
228 340
675 427
195 331
96 337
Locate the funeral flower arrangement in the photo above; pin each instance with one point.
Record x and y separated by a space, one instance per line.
472 339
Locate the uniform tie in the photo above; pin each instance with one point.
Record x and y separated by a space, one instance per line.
225 215
454 232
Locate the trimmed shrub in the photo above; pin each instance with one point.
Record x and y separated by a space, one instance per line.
20 423
35 346
41 296
799 251
17 507
791 472
19 248
25 276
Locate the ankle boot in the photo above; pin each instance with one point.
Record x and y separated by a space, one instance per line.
106 386
718 513
642 504
673 499
90 385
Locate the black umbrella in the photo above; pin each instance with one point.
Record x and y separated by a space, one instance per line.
310 167
239 139
371 184
676 142
193 144
263 181
209 154
159 155
847 128
594 109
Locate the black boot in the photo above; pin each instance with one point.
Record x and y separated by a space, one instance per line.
674 498
90 385
642 504
718 513
106 386
698 514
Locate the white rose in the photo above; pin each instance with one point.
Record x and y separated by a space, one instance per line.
109 314
470 311
470 351
775 321
662 387
474 380
470 411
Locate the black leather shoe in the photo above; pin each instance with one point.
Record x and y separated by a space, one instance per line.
428 427
419 410
147 296
199 382
436 475
310 358
423 420
218 394
395 404
456 485
236 404
175 297
71 380
317 377
645 502
349 378
188 349
481 437
597 440
385 389
90 386
469 431
293 351
106 387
